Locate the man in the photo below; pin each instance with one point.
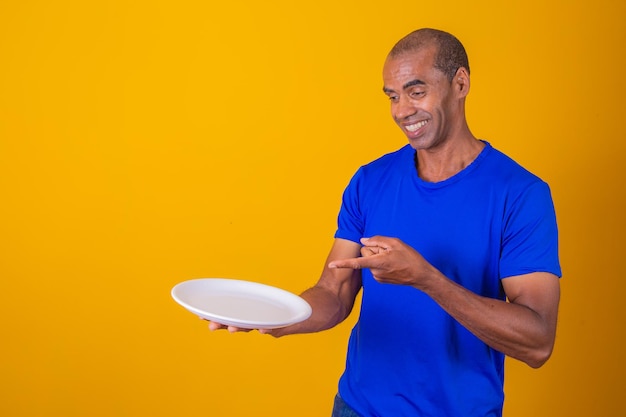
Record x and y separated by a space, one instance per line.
455 247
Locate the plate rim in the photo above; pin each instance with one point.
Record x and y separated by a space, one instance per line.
244 324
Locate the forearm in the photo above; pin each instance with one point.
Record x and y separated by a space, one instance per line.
327 311
513 329
332 298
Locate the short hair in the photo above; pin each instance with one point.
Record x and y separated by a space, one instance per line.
450 56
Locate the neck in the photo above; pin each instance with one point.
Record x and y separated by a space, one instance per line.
447 160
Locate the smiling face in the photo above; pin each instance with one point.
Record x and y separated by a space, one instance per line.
426 105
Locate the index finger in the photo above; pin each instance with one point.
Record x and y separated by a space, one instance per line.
353 263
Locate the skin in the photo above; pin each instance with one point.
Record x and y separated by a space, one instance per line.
524 326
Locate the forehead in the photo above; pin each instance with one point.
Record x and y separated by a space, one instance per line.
410 66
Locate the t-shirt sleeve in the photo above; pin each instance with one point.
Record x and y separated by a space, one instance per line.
530 236
350 222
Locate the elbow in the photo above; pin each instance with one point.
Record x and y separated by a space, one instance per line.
540 349
538 357
538 362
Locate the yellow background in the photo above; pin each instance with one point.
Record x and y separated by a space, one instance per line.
145 143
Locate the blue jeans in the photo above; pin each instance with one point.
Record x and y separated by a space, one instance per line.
341 409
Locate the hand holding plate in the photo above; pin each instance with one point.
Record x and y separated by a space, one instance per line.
213 325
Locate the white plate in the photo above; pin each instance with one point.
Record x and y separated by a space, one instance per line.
244 304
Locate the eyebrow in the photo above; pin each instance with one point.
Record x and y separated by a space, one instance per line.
406 85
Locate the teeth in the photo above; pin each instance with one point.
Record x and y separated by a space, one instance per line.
414 127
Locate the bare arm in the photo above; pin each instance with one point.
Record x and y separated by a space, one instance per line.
523 328
331 299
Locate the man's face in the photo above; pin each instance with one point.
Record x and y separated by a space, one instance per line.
422 98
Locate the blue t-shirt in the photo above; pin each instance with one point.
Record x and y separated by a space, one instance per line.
494 219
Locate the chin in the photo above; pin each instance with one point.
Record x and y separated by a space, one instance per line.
419 143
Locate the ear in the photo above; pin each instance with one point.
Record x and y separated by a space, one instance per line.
461 82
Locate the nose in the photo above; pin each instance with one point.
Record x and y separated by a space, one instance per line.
403 108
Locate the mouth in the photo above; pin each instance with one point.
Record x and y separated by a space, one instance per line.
416 126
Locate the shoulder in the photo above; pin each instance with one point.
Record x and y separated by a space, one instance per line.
393 161
508 167
507 172
374 177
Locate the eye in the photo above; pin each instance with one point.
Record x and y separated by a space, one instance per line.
417 94
393 98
